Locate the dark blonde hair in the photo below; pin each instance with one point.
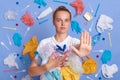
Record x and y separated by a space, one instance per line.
61 8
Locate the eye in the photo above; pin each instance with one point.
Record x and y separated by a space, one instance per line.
58 20
67 20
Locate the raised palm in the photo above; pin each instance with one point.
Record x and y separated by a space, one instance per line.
84 48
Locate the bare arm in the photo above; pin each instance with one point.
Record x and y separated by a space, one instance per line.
35 70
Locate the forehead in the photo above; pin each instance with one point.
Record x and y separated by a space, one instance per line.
62 14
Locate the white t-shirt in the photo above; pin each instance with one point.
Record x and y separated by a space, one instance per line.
47 46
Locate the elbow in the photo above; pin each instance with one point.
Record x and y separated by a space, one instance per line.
30 73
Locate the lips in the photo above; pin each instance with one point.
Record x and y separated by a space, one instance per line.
62 27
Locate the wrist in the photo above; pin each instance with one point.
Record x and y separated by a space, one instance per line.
47 67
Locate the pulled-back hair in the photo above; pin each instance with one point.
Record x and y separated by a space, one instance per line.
61 8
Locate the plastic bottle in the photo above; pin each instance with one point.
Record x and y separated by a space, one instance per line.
45 13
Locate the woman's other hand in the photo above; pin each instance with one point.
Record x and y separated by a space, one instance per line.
54 62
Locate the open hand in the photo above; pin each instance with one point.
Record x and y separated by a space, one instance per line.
84 48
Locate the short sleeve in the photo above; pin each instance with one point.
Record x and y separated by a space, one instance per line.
41 43
75 41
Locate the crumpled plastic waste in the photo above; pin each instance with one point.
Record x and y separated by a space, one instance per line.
75 27
108 71
106 56
40 2
27 77
78 5
96 39
17 39
42 55
30 47
24 60
89 65
68 74
10 15
51 75
104 23
10 61
27 19
59 48
74 62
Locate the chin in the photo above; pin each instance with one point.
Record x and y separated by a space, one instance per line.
63 32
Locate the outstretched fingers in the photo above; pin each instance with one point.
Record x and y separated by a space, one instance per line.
85 38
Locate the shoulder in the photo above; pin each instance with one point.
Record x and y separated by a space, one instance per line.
73 40
44 42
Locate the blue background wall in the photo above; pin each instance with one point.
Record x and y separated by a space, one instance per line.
46 29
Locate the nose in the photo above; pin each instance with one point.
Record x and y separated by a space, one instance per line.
63 23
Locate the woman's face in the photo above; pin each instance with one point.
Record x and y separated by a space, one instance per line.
62 22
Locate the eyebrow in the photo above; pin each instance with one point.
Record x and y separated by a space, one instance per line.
61 19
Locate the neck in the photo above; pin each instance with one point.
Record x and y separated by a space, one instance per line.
60 37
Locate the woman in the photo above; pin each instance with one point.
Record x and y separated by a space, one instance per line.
49 46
